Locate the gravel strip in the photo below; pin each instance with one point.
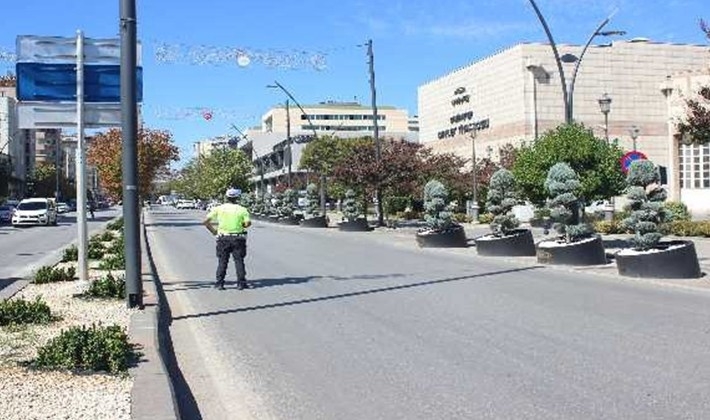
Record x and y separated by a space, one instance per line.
32 394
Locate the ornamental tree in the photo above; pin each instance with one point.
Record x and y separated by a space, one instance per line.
500 201
437 216
351 208
595 161
155 151
288 203
312 201
646 199
562 185
276 203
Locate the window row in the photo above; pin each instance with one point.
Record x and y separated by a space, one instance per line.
694 166
347 117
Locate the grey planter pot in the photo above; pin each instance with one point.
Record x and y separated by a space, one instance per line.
359 225
674 260
518 244
315 222
454 237
584 252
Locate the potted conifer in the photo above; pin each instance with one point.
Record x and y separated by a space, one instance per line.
576 243
286 210
441 230
649 256
505 239
353 222
313 216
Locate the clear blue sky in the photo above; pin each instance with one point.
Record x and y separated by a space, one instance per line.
414 41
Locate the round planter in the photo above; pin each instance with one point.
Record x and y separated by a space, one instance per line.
670 260
315 222
359 225
272 218
588 251
454 237
518 244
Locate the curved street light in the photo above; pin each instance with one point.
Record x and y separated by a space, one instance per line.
568 94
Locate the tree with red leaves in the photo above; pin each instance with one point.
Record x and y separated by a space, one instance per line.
155 151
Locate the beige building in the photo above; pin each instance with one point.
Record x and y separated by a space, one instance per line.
516 95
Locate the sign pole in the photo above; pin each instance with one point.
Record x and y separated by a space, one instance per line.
81 160
129 134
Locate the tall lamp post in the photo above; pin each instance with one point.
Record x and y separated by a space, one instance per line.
315 136
605 108
673 172
474 197
568 93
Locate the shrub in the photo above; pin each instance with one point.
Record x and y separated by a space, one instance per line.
462 218
562 184
113 262
117 245
107 287
71 253
687 228
437 216
312 201
95 250
116 224
646 204
21 311
276 200
351 208
82 348
247 200
107 236
266 204
396 204
676 211
47 274
500 201
485 218
609 227
288 203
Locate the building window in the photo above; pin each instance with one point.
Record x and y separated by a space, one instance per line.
694 166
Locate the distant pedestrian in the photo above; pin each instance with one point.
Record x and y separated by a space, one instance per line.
92 208
232 222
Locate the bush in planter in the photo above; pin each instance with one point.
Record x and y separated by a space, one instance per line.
288 203
646 197
312 201
82 348
266 204
246 200
562 184
351 208
276 201
500 201
436 213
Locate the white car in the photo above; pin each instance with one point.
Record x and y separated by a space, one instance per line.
62 207
35 211
186 204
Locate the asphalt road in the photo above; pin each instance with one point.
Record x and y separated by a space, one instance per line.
349 326
24 249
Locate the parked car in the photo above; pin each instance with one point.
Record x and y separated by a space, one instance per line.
62 207
35 211
6 213
185 204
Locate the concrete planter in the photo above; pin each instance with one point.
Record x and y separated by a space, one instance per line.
588 251
315 222
453 237
518 244
359 225
671 260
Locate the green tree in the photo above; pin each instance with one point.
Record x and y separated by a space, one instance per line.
437 216
210 176
594 160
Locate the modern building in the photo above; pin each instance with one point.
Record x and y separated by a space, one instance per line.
516 96
15 148
281 126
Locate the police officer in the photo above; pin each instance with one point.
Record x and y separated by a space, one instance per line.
232 222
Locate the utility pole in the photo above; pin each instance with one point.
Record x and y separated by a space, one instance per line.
474 197
287 152
129 132
81 162
376 130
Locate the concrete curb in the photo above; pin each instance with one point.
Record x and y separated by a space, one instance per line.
152 394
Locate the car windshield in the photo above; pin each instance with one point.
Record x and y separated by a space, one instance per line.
32 205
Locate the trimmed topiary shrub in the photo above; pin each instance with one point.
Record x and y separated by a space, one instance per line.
288 203
82 348
312 201
351 208
646 197
246 200
562 185
266 208
436 213
500 201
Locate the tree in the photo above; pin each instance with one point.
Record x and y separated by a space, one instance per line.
351 210
437 216
646 198
562 184
500 201
594 160
312 207
155 151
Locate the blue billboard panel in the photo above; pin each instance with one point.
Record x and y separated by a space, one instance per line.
57 82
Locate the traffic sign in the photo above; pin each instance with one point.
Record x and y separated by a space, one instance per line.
629 158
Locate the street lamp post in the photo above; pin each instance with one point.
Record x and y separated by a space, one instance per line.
568 93
474 199
605 107
634 132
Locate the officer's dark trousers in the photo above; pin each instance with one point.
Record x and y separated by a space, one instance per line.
236 247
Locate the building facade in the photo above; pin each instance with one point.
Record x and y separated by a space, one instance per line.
516 95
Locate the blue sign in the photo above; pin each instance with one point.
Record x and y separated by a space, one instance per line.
629 158
57 82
